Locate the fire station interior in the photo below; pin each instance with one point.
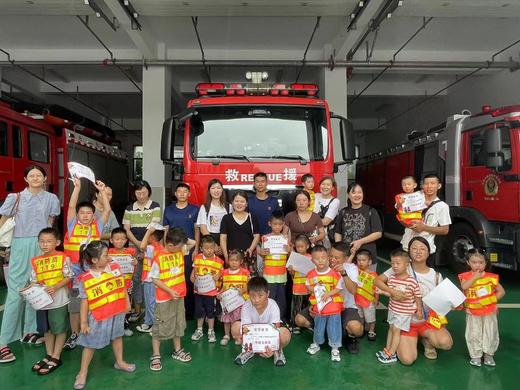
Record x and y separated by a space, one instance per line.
399 71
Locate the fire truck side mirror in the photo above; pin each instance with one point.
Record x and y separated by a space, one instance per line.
169 131
346 130
493 147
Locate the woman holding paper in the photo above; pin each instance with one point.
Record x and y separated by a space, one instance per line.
34 209
303 221
433 333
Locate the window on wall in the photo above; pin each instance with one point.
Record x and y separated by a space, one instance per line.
138 163
3 139
38 147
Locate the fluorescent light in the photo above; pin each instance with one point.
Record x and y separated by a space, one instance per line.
98 15
85 2
127 3
400 3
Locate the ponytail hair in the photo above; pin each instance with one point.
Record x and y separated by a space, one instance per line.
92 250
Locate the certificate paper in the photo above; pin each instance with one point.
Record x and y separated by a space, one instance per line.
36 296
204 283
257 337
444 297
125 263
300 263
78 171
319 291
230 300
275 244
413 202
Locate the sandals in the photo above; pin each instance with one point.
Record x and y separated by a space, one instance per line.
40 363
33 339
155 363
181 355
50 367
6 355
129 368
80 382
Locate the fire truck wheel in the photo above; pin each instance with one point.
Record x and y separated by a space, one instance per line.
461 238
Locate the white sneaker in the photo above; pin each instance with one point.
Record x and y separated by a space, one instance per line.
243 357
224 341
128 332
334 355
197 335
279 358
313 349
211 336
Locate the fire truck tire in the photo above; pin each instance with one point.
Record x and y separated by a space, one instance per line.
461 238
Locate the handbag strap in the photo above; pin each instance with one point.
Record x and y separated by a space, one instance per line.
14 209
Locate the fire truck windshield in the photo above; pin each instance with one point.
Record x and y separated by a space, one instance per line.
259 132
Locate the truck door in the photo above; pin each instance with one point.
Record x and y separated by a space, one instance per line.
6 161
490 192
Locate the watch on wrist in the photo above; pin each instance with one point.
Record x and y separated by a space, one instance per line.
343 273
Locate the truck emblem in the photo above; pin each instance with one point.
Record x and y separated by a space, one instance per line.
491 185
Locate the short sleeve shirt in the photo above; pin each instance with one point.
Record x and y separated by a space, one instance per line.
353 224
61 297
185 218
139 218
262 209
33 212
298 227
239 235
250 315
332 203
436 215
111 223
212 218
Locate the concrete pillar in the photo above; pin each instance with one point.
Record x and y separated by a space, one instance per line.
333 88
156 108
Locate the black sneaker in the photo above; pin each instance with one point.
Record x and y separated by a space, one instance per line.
352 345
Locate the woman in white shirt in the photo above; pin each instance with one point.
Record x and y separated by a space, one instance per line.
327 207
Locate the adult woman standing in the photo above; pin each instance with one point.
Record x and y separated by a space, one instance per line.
112 220
137 217
213 210
358 225
327 207
428 279
239 230
303 221
35 210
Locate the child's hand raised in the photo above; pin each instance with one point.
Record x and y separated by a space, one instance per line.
100 185
77 182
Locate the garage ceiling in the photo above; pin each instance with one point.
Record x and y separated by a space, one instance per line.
48 39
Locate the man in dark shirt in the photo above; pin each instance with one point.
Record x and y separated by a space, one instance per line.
261 205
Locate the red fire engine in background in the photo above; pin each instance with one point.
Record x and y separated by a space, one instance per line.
51 141
230 132
478 160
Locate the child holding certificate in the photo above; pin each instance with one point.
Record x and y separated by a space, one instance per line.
53 270
325 285
300 294
482 291
206 265
274 251
366 297
234 277
260 309
126 259
407 217
104 303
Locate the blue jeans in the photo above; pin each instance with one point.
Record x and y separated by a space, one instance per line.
333 326
149 301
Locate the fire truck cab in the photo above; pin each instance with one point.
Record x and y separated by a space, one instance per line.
231 132
477 159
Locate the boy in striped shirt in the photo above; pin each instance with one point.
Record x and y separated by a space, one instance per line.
400 312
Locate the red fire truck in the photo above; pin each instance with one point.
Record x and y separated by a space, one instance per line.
51 142
230 132
478 160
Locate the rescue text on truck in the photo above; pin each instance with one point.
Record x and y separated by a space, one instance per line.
230 132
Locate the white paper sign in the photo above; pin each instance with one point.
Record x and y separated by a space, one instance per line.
204 283
78 171
444 297
413 202
125 263
155 226
230 300
319 292
300 263
257 337
36 296
275 244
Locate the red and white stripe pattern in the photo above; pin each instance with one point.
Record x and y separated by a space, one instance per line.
411 288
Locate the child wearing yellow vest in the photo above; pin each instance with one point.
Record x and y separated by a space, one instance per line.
274 263
329 317
104 303
408 184
308 185
167 274
151 246
366 297
118 239
483 291
300 294
205 302
236 276
53 270
82 228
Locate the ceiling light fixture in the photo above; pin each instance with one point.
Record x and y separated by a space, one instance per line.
86 2
400 3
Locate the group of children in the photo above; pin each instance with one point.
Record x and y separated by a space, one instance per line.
91 285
